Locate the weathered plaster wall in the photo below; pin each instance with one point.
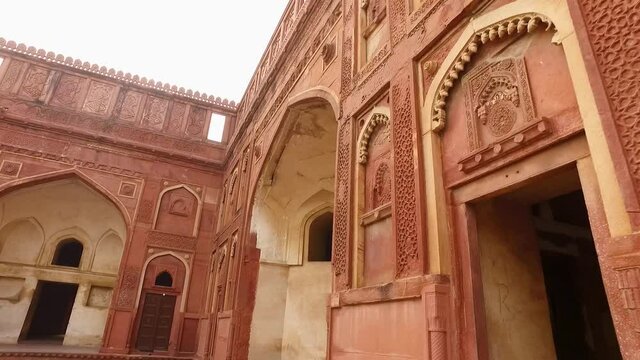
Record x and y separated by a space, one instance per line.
57 211
516 310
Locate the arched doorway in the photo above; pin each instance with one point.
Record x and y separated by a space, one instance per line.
292 205
61 241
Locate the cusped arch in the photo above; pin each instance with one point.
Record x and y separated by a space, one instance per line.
374 121
519 17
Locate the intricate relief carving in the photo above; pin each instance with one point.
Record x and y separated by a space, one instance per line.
129 105
406 210
11 75
382 185
171 241
145 211
10 168
98 98
128 287
374 11
497 96
614 36
196 121
629 285
342 218
365 135
155 112
397 15
176 118
67 91
35 81
520 24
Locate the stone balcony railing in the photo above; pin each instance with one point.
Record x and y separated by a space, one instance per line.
58 92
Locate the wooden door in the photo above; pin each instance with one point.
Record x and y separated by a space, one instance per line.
155 322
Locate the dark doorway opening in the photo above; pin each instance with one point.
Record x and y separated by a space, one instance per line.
578 308
155 323
49 313
320 238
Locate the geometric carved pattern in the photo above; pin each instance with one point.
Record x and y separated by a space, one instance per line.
382 185
406 219
128 287
10 168
519 24
614 33
343 199
497 97
629 286
171 241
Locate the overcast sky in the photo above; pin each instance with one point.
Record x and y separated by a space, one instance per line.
211 46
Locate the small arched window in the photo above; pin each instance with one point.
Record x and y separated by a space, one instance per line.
164 279
68 253
320 238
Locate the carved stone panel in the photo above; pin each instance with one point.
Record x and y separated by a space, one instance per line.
176 118
11 75
68 91
178 212
34 81
154 113
196 121
629 285
98 98
499 112
498 101
128 105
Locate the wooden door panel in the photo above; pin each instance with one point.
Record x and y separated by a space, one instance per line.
155 322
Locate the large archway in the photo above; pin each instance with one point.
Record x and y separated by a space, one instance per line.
61 243
296 188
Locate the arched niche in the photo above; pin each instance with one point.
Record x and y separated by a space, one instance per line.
68 253
319 236
108 253
59 238
21 241
178 211
374 182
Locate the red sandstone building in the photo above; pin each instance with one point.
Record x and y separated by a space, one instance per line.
403 179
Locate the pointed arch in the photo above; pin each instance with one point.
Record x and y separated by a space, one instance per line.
197 196
62 175
187 276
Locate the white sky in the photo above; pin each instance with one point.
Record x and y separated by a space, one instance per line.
211 46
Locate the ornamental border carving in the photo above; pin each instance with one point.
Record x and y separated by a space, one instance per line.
519 24
374 121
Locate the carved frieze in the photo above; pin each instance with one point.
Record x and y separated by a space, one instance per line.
10 168
68 91
128 105
196 121
155 113
11 75
98 98
35 81
176 119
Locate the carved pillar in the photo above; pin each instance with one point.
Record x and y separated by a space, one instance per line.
342 228
435 298
407 193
